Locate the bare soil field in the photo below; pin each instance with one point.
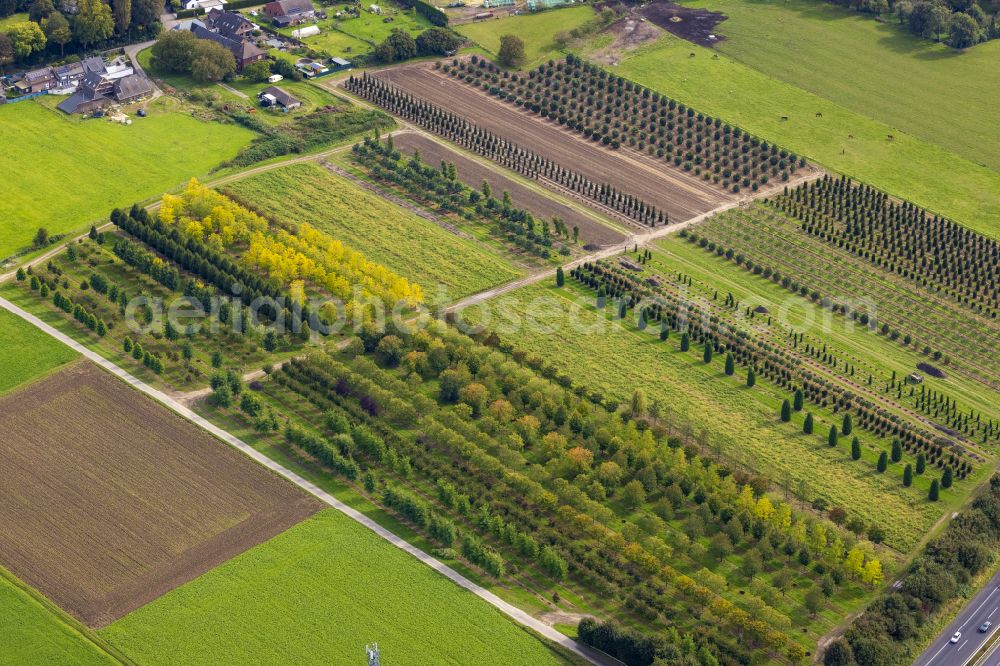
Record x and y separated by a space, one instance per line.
473 173
682 196
110 500
694 25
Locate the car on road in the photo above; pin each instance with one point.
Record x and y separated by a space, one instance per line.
984 627
957 637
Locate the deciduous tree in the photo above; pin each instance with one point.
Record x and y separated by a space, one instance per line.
94 22
25 38
511 52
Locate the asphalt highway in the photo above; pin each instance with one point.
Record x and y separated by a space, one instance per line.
984 607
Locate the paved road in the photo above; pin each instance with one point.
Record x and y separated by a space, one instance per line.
984 606
631 241
512 611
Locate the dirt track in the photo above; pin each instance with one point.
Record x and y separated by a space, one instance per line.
473 173
109 500
681 195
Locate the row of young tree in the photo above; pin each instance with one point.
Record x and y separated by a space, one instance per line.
507 448
484 142
75 26
615 111
941 408
933 252
52 280
442 187
655 306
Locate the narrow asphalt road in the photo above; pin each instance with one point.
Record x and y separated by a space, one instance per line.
984 607
610 251
513 612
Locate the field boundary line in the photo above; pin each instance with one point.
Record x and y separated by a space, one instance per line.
85 632
513 612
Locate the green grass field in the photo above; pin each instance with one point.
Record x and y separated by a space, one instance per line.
27 353
317 594
66 172
414 247
35 633
537 30
741 424
6 23
839 138
872 68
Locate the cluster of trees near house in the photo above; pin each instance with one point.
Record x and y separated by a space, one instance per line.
181 52
74 26
958 23
400 45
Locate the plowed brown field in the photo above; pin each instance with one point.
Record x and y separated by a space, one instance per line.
681 195
473 173
109 500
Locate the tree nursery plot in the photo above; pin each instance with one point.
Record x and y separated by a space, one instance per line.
68 172
404 242
540 203
873 68
633 187
92 276
207 282
321 591
35 633
469 211
737 422
620 114
27 353
828 133
820 377
925 283
534 485
91 460
863 350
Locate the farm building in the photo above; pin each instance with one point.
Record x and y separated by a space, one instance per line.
275 96
97 90
284 13
493 4
230 24
339 64
37 80
243 50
